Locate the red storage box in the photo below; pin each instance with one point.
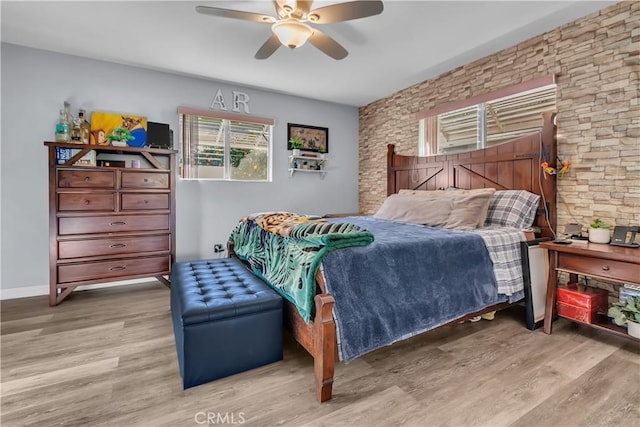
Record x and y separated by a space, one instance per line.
581 303
574 312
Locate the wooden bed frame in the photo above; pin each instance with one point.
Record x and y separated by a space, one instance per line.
512 165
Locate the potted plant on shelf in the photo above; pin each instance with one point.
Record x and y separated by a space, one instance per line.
627 312
120 137
322 150
599 232
296 144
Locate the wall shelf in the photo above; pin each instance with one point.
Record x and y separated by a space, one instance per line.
298 163
294 170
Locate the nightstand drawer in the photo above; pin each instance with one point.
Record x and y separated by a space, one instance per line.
86 202
616 270
145 180
113 246
86 179
112 269
112 224
132 202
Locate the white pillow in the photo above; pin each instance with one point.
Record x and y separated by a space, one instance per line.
457 193
450 209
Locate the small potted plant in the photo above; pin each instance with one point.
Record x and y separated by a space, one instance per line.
296 144
599 232
120 137
627 313
322 150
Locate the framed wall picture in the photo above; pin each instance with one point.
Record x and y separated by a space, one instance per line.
314 138
118 129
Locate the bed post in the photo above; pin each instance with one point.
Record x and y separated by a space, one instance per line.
324 346
391 175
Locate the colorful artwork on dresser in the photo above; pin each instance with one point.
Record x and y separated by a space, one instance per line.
118 129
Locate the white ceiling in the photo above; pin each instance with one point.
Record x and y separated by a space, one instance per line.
411 41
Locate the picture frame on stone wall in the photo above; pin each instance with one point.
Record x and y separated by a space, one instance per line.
315 138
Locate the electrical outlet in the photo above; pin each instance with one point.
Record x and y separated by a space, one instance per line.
217 248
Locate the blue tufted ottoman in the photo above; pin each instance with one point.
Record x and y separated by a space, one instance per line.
225 320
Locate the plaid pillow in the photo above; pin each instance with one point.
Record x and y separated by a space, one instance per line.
512 208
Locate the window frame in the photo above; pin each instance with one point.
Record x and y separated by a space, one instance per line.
428 119
227 166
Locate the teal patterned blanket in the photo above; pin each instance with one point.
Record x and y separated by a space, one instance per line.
286 249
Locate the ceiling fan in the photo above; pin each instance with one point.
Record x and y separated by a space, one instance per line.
291 27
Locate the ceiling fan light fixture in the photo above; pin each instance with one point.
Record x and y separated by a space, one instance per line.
291 32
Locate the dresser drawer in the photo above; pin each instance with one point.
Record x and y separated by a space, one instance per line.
86 202
133 202
145 180
112 269
113 246
112 224
86 179
616 270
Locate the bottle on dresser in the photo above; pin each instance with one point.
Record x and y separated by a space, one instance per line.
62 128
76 137
85 128
68 118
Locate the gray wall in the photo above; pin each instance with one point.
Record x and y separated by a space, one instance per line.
34 85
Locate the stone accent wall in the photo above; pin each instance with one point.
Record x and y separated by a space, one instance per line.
597 65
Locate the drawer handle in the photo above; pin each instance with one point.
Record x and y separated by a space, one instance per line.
120 268
146 201
86 201
116 223
87 179
118 245
605 267
146 180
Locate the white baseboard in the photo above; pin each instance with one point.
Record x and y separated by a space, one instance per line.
34 291
23 292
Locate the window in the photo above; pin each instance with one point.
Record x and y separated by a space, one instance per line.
458 130
224 146
518 115
487 120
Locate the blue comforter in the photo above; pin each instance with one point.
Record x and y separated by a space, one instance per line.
411 279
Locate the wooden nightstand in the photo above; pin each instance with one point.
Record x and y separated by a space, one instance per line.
602 261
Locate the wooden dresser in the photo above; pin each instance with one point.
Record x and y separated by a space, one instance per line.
110 223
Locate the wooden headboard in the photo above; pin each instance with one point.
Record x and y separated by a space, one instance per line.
514 165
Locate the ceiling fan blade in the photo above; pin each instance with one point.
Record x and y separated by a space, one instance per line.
304 5
235 14
266 50
345 11
327 45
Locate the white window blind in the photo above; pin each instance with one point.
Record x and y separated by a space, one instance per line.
488 123
224 146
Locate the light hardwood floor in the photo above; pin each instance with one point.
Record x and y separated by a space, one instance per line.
106 357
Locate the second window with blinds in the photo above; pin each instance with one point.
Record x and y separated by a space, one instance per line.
223 146
486 120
